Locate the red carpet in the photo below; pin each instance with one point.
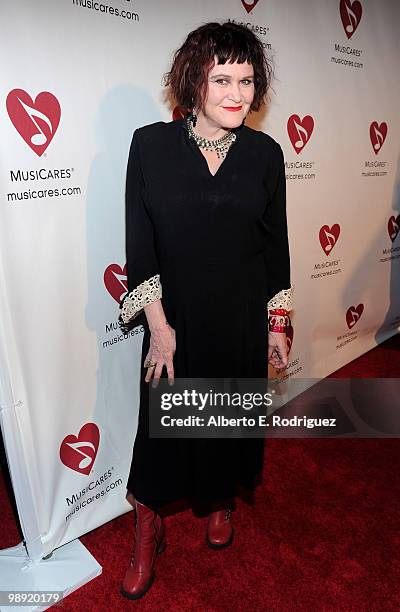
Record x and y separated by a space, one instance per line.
324 533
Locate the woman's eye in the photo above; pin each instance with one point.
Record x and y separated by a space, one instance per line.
223 81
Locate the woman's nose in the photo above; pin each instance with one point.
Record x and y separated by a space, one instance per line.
235 93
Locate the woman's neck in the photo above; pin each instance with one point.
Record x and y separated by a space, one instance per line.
208 129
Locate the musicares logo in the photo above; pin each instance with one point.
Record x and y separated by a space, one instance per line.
350 12
249 5
328 237
393 227
36 121
299 131
353 314
377 134
79 452
115 281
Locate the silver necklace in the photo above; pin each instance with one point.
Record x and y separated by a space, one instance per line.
220 146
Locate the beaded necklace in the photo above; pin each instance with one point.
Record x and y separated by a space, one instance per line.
220 146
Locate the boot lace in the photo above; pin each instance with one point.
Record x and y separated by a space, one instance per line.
134 537
228 513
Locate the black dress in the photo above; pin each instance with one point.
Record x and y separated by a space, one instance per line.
218 245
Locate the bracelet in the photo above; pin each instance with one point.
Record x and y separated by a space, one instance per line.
277 329
278 320
282 320
278 311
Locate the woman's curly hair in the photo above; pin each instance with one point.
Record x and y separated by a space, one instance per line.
230 42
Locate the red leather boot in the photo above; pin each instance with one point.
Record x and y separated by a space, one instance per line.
149 541
219 529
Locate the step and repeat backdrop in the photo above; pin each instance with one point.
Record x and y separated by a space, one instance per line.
78 77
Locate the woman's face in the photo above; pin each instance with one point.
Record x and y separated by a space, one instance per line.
230 86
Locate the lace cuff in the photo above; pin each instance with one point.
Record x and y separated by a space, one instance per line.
133 303
283 299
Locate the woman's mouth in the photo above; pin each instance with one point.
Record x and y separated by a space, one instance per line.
232 108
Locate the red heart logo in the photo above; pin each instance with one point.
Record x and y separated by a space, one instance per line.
353 314
393 227
377 133
350 12
249 5
79 452
328 237
179 112
300 131
115 280
37 121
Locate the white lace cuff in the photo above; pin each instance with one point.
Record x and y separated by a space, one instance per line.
133 303
283 299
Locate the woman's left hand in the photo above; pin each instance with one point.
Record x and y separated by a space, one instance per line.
277 350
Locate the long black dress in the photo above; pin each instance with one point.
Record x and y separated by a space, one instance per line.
219 244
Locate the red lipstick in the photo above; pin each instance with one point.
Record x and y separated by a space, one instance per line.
232 108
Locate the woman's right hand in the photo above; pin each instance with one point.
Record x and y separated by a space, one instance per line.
161 352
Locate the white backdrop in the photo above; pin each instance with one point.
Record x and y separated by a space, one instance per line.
77 78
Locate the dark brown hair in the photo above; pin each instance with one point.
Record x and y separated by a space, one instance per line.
230 42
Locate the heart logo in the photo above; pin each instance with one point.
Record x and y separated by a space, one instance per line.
79 452
328 237
249 5
393 227
36 121
353 314
377 134
179 112
115 280
350 12
300 131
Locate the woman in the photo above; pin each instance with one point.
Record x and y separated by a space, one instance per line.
208 274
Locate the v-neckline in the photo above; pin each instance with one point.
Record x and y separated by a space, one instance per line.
221 164
197 151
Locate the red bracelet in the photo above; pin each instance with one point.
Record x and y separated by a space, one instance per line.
278 320
279 311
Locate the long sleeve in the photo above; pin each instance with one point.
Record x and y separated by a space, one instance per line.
144 286
276 254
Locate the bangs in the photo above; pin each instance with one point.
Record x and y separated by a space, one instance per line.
233 49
